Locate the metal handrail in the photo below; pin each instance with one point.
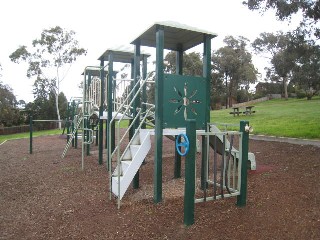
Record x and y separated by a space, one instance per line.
127 107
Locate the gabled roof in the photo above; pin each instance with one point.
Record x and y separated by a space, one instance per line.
122 54
174 34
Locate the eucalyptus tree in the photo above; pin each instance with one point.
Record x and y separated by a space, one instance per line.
49 60
282 54
306 73
232 64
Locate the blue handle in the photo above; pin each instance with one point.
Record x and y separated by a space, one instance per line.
185 144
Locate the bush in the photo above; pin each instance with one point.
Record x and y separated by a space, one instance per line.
301 94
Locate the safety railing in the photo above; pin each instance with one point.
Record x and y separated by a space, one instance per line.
222 175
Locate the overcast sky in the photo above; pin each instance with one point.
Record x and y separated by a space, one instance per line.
101 24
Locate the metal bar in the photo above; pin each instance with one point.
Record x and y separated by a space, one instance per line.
222 164
30 129
215 169
227 195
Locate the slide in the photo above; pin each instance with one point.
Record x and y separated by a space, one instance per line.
234 152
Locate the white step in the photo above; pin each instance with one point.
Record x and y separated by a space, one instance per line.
124 167
138 153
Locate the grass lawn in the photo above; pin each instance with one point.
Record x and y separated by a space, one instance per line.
298 118
27 134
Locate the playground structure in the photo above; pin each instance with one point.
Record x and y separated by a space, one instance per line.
180 100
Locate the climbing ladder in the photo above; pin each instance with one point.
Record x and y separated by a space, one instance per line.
72 136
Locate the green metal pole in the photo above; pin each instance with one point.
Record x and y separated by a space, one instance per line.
242 198
158 115
177 157
67 125
190 163
30 129
136 103
100 147
110 137
207 75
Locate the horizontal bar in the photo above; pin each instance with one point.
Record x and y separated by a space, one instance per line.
198 200
224 187
48 120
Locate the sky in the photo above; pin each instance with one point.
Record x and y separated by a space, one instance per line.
103 24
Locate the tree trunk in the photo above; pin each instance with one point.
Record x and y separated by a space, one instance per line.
285 87
57 109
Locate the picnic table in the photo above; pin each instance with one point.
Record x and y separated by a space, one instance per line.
235 111
249 110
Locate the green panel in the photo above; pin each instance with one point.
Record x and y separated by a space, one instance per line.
184 98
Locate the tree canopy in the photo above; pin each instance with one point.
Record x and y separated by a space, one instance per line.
49 60
232 64
285 9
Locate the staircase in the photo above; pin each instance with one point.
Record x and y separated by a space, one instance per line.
130 162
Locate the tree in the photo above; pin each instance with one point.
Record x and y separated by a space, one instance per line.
233 64
282 54
306 73
285 9
9 114
49 60
192 63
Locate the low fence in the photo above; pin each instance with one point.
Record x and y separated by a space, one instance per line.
266 98
37 126
251 102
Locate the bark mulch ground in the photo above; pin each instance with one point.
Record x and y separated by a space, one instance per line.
45 197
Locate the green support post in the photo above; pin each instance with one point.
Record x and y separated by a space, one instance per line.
207 75
177 161
136 103
67 125
158 115
100 147
190 161
177 157
30 129
111 135
242 198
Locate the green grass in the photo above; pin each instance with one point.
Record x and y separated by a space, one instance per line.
298 118
27 134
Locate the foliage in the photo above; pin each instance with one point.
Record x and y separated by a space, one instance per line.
191 65
9 113
285 9
44 107
306 73
232 64
49 60
278 48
